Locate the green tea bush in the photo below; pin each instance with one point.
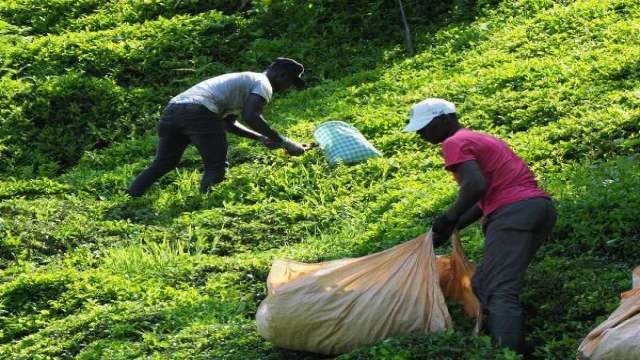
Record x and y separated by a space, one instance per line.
583 304
445 345
87 272
126 306
47 17
598 205
115 14
57 119
31 188
42 17
32 232
27 303
350 33
135 54
127 44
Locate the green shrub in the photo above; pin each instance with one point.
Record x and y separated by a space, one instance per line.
445 345
42 17
57 119
26 303
598 205
87 272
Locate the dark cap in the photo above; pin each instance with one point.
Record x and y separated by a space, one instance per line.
291 66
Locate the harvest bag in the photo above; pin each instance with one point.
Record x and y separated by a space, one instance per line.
455 273
342 142
337 306
619 336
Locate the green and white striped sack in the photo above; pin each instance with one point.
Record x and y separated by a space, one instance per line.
343 143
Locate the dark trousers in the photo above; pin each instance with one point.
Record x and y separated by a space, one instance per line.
513 235
179 126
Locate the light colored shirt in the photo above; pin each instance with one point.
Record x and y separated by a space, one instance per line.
508 176
227 94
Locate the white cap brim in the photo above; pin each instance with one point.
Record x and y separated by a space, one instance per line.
416 125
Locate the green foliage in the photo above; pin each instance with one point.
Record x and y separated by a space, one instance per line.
42 17
143 52
58 16
599 203
133 54
445 345
86 272
354 35
35 187
61 118
583 304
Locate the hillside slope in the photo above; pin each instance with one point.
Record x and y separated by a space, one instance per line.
88 273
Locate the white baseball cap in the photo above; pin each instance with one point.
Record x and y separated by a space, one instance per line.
423 112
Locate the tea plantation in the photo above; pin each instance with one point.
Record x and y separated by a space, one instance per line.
88 273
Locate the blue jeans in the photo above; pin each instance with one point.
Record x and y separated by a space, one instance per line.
179 126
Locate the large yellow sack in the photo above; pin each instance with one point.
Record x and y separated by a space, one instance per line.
337 306
619 336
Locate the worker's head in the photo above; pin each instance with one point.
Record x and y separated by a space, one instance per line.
283 73
433 119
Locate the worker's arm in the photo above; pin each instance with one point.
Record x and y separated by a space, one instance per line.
472 215
252 115
472 188
234 127
465 209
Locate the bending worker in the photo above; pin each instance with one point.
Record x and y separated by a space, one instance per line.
497 185
204 113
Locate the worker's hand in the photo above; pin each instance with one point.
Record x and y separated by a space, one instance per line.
270 144
293 148
442 229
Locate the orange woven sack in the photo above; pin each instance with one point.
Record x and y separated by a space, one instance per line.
337 306
619 336
455 273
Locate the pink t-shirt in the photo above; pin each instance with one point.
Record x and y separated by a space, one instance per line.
508 176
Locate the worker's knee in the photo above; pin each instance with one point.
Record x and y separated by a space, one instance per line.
160 168
504 303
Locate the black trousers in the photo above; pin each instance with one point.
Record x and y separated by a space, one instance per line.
513 235
179 126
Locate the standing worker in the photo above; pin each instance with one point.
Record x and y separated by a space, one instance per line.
204 113
498 186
